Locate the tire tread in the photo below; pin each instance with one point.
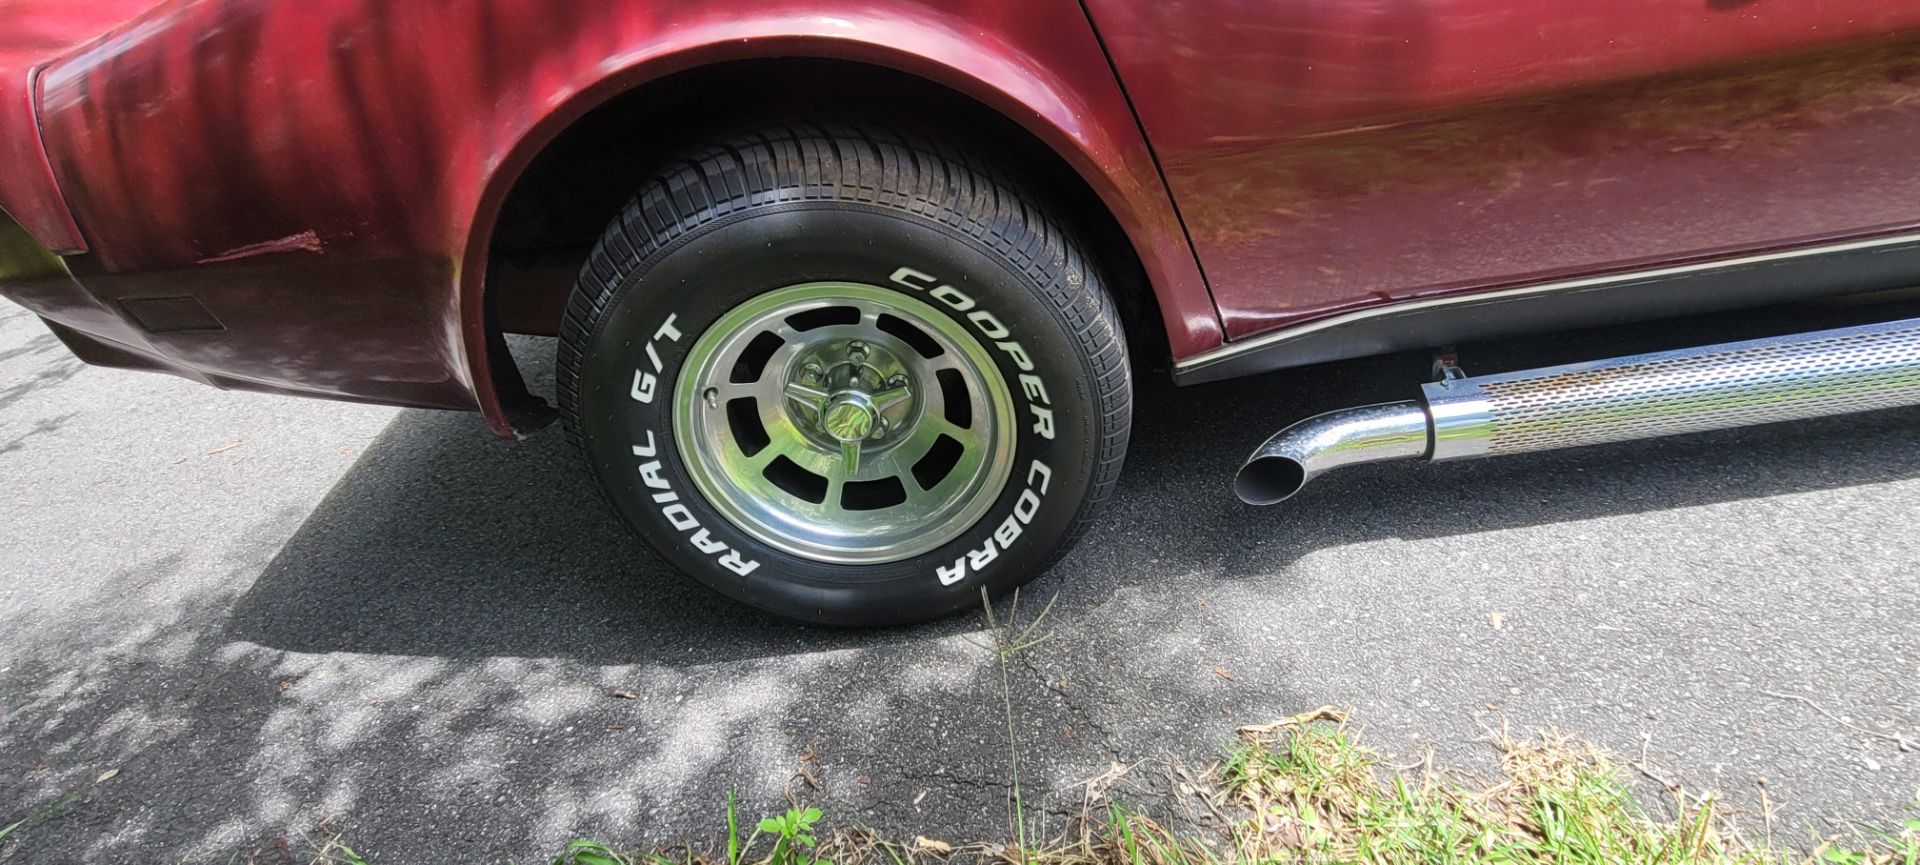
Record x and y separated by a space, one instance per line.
885 168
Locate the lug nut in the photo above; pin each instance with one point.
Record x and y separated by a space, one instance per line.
898 380
811 372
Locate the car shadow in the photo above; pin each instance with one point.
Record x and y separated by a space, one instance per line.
442 541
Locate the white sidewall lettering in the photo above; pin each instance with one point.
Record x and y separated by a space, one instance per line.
1009 530
1039 408
645 384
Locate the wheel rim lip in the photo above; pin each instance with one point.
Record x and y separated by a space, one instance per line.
704 435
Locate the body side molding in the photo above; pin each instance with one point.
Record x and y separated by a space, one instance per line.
1851 267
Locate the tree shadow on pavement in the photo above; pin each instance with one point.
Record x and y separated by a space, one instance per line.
443 541
463 652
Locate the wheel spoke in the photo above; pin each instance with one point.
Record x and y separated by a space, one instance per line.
884 464
774 450
924 435
845 403
961 434
813 459
729 391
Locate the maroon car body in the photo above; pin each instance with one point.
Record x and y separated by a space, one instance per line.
307 197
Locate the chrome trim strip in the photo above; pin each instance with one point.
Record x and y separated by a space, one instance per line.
1288 334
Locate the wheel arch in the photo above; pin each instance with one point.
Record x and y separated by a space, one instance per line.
1065 115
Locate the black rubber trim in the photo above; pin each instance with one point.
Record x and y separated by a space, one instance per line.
1737 286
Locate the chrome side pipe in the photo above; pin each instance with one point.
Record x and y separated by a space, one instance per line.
1349 436
1641 396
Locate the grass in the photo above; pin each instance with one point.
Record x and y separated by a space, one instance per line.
39 815
1303 790
1008 641
1317 796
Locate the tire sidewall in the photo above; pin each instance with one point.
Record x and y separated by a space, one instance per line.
661 308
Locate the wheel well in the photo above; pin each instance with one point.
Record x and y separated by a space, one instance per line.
578 184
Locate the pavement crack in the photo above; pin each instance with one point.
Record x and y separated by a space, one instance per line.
1074 707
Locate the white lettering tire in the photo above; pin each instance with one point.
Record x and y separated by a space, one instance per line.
845 376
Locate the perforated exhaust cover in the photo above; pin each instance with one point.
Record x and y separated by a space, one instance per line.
1667 393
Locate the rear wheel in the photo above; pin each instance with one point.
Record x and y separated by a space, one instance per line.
845 377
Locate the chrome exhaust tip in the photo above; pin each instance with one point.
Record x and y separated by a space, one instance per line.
1269 479
1303 451
1807 375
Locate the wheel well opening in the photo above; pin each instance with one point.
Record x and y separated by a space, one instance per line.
578 184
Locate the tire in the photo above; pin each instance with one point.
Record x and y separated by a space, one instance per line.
735 369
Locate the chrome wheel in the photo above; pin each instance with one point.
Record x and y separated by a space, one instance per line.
844 422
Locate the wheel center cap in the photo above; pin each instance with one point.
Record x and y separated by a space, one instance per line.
848 416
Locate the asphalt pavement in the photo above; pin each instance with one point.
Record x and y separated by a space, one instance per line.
228 618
